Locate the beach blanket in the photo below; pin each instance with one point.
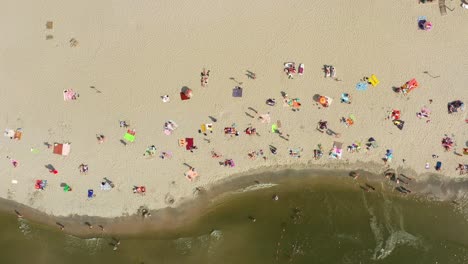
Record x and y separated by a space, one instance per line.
189 144
130 135
69 95
274 128
18 134
105 186
191 175
361 86
229 163
40 184
9 133
295 153
337 150
237 92
230 130
206 127
150 151
169 127
183 96
265 118
373 80
62 149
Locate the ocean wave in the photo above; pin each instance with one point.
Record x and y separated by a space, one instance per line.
24 227
207 242
91 246
256 187
397 234
396 238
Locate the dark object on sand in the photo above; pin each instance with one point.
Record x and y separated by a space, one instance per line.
399 124
455 106
273 150
438 166
237 91
271 102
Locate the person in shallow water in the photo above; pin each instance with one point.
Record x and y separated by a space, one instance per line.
251 218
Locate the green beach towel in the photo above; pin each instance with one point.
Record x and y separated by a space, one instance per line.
274 128
129 137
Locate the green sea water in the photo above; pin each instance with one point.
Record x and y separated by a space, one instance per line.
310 223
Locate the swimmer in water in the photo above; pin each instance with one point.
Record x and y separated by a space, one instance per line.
275 197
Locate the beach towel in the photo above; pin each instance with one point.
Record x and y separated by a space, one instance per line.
18 134
373 80
67 188
105 186
399 124
9 133
345 98
337 150
182 142
191 175
230 130
130 135
237 92
230 163
62 149
274 128
265 118
40 184
206 127
150 151
189 144
69 95
183 96
361 86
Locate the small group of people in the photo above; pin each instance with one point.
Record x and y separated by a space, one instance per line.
83 168
254 154
251 131
463 168
204 77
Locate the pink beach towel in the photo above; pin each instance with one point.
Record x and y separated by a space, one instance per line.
69 95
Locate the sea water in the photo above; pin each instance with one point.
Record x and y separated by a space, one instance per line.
311 222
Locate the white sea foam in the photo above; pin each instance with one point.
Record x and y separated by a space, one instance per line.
89 245
256 187
207 242
384 247
24 227
396 238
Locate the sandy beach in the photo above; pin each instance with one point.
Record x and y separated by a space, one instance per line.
122 57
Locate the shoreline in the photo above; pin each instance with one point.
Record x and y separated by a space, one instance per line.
162 222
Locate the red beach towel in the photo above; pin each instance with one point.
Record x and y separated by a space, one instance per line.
189 145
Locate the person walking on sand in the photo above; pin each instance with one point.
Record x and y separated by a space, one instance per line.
15 163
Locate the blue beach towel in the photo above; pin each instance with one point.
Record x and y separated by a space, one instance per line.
361 86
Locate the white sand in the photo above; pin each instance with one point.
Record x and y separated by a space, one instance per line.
137 51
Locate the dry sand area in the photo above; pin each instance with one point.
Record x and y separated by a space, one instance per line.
133 52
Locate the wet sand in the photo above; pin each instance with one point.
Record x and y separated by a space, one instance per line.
169 220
